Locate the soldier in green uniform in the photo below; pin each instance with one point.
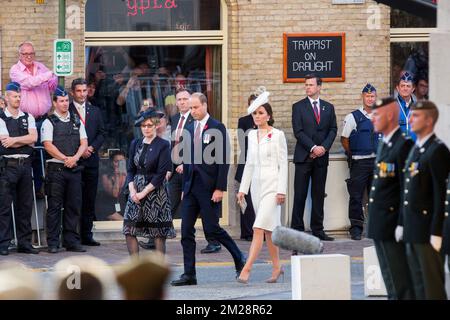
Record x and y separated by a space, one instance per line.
422 218
385 200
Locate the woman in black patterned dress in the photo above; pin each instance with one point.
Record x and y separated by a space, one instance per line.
147 213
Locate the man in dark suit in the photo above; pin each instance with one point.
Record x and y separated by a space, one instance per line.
205 171
314 125
92 119
385 200
422 219
179 122
245 124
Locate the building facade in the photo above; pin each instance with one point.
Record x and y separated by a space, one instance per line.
225 48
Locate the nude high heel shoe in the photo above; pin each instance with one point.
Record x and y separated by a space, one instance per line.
274 279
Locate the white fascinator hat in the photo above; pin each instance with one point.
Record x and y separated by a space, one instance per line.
262 97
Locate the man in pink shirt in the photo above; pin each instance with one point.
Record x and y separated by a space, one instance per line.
36 81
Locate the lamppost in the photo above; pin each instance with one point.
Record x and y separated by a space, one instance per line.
61 28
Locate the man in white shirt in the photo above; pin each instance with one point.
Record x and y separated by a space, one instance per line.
65 140
17 136
360 143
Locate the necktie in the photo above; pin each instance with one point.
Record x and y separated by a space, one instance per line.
176 147
180 126
316 111
197 133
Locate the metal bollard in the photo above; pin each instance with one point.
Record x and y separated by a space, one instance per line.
14 224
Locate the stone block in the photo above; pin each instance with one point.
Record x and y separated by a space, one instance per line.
321 277
373 279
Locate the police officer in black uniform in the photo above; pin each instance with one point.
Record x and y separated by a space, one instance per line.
360 142
64 138
422 219
385 200
17 135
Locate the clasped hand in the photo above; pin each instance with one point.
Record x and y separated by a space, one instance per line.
317 152
70 162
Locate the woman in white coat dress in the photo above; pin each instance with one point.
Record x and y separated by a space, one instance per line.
265 173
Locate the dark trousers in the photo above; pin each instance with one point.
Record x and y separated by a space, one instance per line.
427 271
16 183
247 218
89 182
63 189
303 173
198 200
394 269
361 174
175 190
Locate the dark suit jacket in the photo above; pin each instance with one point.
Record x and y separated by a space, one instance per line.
308 133
244 123
157 161
213 172
385 196
446 240
174 123
95 131
426 171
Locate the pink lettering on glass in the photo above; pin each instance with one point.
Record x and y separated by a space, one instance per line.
134 6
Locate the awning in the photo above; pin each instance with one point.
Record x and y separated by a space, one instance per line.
421 8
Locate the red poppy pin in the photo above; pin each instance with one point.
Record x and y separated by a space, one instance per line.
269 136
205 127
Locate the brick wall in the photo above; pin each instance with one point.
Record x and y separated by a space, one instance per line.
256 54
255 49
22 20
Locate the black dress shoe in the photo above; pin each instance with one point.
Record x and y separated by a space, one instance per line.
323 236
4 252
211 248
248 238
28 249
150 245
52 250
356 236
240 265
90 242
184 280
76 248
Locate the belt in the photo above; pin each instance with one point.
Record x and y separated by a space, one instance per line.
16 162
54 166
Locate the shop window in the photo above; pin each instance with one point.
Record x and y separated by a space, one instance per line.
402 19
411 57
125 80
152 15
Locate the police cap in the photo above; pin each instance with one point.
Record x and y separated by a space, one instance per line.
407 77
60 92
13 86
369 89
